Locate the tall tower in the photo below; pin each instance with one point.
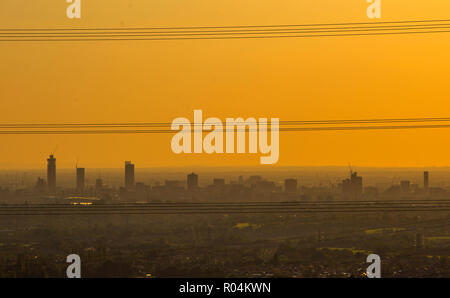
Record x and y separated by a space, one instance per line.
425 180
51 173
129 175
192 181
80 180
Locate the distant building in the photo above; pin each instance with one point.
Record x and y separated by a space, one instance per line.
141 190
80 179
437 192
263 190
192 181
371 192
252 180
405 187
129 175
353 186
173 184
98 184
51 173
290 185
394 190
426 180
219 182
41 186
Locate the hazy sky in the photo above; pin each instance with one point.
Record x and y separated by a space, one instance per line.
293 79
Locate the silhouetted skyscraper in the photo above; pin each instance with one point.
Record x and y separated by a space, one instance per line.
425 179
353 186
51 173
129 175
80 180
192 181
290 185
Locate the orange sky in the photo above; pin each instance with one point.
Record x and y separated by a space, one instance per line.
293 79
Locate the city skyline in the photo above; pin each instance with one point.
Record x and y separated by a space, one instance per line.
351 187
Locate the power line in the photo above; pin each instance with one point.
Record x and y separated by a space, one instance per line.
211 32
176 212
228 27
164 131
168 124
286 122
215 33
244 203
223 208
224 37
224 32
